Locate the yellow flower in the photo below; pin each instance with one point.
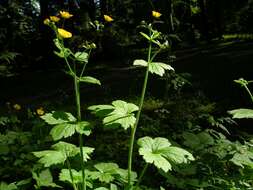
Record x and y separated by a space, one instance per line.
54 18
108 18
65 14
40 111
17 107
46 21
64 33
156 14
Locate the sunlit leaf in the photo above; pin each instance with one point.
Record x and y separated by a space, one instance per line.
63 130
158 151
67 148
89 79
120 113
58 117
50 157
81 56
84 128
241 113
154 67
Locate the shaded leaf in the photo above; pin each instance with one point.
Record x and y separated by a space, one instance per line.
105 172
44 179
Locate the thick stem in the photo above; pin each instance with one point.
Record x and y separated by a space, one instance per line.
133 131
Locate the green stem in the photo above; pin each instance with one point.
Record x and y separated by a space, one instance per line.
247 89
133 131
78 106
142 174
71 174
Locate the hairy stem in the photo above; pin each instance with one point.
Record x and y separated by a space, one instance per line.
133 131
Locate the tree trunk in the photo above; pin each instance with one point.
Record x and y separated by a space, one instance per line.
205 27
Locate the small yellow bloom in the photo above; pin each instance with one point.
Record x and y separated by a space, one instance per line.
156 14
17 107
64 33
108 18
46 21
54 18
65 14
40 111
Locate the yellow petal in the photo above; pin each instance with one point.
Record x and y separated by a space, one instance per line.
64 33
46 21
54 18
17 107
108 18
65 14
156 14
40 111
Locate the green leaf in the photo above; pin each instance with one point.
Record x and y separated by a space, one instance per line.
178 155
77 177
83 127
65 176
159 68
86 152
120 113
63 130
145 36
158 151
122 176
5 186
105 172
241 113
68 149
50 157
244 158
81 56
44 179
58 117
89 79
154 67
140 62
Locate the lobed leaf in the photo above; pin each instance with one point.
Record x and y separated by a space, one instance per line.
158 151
58 117
119 113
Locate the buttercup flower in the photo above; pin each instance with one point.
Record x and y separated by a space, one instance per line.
17 107
156 14
65 14
54 18
64 33
40 111
46 21
108 18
